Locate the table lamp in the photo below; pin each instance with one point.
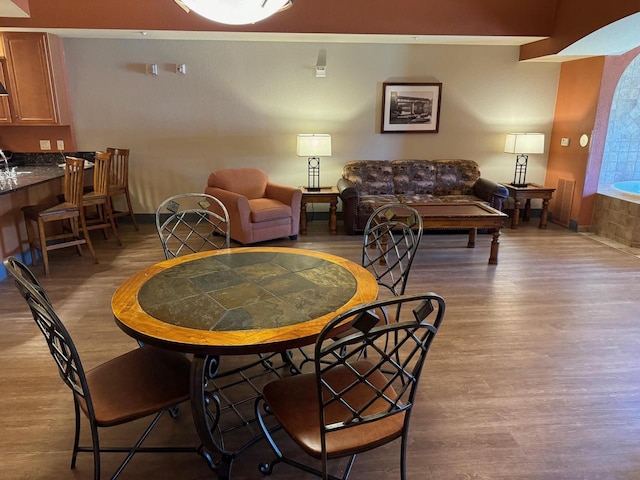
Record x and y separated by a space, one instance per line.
313 146
522 144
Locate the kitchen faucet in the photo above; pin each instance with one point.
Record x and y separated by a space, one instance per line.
4 159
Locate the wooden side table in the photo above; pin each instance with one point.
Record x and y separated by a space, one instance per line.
325 195
532 190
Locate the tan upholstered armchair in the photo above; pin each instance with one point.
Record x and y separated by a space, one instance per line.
258 209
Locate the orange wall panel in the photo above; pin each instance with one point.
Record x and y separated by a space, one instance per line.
575 114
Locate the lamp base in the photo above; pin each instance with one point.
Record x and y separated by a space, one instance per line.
520 185
313 189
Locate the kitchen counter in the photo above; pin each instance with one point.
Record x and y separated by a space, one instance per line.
28 176
39 180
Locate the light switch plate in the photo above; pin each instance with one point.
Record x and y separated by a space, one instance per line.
564 142
45 144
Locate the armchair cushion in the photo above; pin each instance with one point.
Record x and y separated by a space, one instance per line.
267 209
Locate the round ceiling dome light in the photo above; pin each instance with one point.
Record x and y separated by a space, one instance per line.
235 12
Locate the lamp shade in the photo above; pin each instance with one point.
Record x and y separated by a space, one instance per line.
3 91
314 145
524 143
235 12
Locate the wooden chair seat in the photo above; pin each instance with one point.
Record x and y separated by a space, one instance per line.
64 209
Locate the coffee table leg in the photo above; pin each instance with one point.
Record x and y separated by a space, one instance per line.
495 243
472 237
543 215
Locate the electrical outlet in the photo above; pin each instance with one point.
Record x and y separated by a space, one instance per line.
45 144
60 144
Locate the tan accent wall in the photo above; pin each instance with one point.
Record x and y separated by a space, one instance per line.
243 103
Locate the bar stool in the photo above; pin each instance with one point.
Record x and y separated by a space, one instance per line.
71 209
98 197
119 180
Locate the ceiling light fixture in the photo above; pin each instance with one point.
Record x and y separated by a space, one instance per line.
235 12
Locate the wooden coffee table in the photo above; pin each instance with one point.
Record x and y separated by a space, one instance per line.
471 215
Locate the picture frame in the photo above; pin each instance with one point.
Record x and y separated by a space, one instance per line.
411 107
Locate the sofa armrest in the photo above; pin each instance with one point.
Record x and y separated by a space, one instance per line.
347 189
350 198
491 192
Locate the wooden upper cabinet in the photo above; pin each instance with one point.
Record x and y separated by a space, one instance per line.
5 111
35 79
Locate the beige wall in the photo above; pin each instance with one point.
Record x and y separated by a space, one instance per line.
242 104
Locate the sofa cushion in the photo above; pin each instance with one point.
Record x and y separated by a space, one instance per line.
268 209
370 177
414 177
455 177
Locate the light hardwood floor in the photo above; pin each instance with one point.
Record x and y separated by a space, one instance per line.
535 374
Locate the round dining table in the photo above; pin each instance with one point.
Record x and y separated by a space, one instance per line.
248 300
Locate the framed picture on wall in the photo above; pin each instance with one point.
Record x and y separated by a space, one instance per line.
411 107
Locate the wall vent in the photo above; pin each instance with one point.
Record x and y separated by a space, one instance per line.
564 199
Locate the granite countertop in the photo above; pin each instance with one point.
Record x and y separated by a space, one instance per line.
34 169
28 176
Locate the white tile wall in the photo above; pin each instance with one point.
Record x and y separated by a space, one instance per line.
621 159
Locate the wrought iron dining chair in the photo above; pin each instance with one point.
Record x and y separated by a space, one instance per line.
143 382
390 242
353 403
192 222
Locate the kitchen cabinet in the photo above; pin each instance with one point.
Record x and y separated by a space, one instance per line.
35 78
5 112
